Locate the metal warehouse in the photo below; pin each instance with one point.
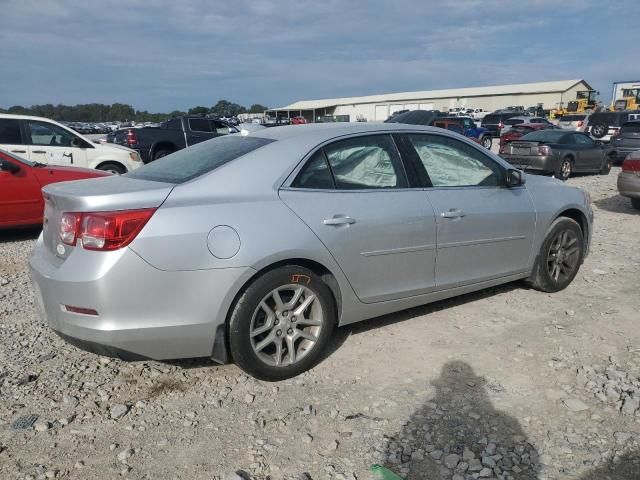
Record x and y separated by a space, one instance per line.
379 107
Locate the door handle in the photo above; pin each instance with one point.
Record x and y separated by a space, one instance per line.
38 151
339 220
453 213
18 151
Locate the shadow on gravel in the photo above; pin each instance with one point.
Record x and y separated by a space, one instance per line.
616 204
459 435
19 234
625 467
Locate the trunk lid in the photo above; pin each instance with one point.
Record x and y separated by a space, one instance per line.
95 195
522 148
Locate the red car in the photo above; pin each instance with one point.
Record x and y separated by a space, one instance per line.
298 121
517 131
21 182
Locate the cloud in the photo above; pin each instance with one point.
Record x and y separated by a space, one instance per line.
164 55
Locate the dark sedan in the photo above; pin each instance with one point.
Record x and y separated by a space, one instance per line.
558 152
627 140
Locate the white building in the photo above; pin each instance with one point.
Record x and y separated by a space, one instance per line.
379 107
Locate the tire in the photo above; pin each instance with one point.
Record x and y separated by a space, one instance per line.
486 142
544 276
599 130
564 169
254 333
113 167
161 153
635 203
606 165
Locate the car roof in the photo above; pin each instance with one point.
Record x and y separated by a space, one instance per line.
25 117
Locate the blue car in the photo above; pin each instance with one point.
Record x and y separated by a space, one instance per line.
472 130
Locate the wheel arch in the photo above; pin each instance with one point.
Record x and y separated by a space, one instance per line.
161 146
580 218
115 162
221 352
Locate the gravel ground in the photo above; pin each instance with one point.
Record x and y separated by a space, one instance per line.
506 383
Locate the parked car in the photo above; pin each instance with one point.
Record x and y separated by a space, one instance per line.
627 140
45 141
576 122
172 135
469 129
517 131
558 152
416 117
495 122
604 125
510 122
258 260
629 179
21 182
299 120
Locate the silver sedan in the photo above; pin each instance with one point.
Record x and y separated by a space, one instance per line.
254 248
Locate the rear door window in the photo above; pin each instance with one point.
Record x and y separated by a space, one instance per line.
627 128
368 162
199 125
10 132
192 162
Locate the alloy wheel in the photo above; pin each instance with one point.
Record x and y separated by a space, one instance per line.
286 325
563 255
566 169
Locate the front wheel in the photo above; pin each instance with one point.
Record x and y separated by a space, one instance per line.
281 323
486 142
560 256
606 165
564 169
114 168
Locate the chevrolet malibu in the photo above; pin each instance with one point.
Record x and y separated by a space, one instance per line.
254 248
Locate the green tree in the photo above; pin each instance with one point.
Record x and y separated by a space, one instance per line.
198 110
225 108
257 108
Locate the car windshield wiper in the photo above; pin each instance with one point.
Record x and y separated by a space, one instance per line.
39 164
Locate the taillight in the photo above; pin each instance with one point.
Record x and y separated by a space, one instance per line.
503 148
103 230
132 138
501 125
631 165
69 225
616 132
544 150
580 123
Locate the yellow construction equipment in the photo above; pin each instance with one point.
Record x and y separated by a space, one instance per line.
630 100
585 102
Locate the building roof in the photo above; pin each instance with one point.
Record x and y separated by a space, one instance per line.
521 88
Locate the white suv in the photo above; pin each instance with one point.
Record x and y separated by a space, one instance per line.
46 141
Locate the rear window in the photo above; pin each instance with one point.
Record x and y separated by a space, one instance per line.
192 162
491 119
514 121
522 130
630 128
548 136
611 118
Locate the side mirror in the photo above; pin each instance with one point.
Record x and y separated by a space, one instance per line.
6 166
514 178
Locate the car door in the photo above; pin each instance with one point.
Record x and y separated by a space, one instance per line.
21 201
354 195
590 154
52 144
11 138
484 229
200 130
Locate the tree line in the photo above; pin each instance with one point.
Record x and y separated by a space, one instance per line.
99 112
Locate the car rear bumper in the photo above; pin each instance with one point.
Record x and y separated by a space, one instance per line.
629 184
547 164
141 311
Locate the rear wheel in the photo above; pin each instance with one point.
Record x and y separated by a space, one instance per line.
112 167
161 153
564 169
486 142
635 203
560 256
606 165
281 323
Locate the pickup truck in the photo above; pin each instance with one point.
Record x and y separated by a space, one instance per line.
173 135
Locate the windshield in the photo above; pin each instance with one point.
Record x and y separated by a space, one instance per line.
192 162
547 136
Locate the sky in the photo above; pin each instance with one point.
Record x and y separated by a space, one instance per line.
164 55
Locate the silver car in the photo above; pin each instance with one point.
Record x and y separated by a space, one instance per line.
574 121
254 248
